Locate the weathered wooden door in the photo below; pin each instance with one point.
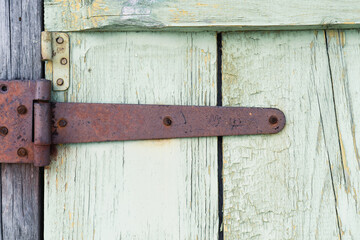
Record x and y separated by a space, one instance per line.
303 183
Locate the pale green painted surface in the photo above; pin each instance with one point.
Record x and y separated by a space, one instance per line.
186 15
300 184
344 53
164 189
304 182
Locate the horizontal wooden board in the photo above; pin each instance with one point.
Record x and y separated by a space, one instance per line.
186 15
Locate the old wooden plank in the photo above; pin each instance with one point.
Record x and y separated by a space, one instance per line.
165 189
77 15
20 27
280 186
344 56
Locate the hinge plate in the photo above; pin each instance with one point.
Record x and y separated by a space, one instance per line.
55 49
30 123
17 101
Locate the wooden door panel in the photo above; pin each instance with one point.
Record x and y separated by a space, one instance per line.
281 186
344 55
165 189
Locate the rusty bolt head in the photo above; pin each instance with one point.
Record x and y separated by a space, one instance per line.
63 61
3 131
62 123
167 121
60 40
273 120
21 152
21 109
60 81
4 88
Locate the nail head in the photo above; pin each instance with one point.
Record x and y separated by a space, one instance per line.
60 40
273 119
167 121
62 123
63 61
3 131
60 81
22 152
21 109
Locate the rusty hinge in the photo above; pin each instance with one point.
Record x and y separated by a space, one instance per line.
30 123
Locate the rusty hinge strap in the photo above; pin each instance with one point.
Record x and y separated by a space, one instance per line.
30 123
89 122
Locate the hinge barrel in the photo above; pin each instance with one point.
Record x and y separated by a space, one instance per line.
42 133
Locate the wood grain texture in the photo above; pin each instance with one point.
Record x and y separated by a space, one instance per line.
164 189
344 55
281 186
20 28
180 15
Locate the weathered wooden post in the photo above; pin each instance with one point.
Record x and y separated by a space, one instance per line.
21 201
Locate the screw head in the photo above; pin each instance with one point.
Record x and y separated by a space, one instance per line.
21 109
273 119
22 152
3 131
60 81
3 88
167 121
62 123
63 61
60 40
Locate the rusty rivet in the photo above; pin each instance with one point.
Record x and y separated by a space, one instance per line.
21 109
273 119
3 131
167 121
63 61
60 40
21 152
62 123
4 88
60 81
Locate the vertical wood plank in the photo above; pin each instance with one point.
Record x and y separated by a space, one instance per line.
165 189
281 186
20 28
344 56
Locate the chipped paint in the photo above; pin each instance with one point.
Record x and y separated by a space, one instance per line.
121 176
231 15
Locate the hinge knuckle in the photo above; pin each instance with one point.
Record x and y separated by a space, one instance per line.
41 155
42 123
43 90
46 46
42 133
